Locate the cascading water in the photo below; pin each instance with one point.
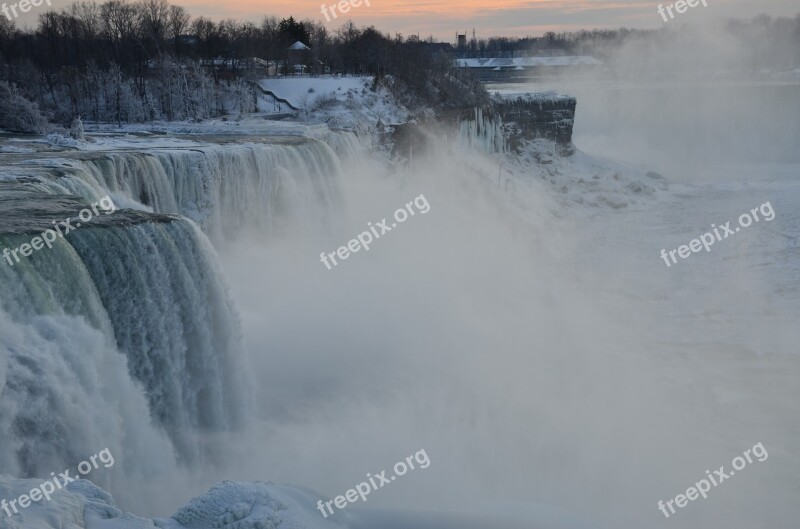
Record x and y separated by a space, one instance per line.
173 319
123 334
149 285
221 187
64 386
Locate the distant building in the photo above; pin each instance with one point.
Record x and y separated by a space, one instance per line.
299 58
526 67
461 40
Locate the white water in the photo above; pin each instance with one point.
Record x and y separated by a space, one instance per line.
221 187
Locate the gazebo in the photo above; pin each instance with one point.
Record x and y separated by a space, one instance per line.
299 57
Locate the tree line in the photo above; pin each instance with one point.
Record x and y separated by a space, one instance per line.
136 61
124 62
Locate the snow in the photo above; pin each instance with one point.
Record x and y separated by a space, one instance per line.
346 103
13 149
65 506
582 179
161 135
229 504
251 125
302 92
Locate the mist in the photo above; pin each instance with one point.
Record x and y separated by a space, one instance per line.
538 357
490 332
691 98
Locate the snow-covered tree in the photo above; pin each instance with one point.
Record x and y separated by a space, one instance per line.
245 98
76 129
18 113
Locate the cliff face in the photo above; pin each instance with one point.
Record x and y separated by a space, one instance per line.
505 125
511 122
548 115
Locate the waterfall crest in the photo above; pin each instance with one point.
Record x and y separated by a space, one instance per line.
222 187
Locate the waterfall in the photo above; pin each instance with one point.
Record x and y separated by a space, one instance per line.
222 187
173 319
123 334
146 287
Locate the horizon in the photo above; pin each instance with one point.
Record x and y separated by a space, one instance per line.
502 19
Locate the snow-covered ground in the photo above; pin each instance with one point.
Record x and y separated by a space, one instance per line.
161 132
341 102
303 92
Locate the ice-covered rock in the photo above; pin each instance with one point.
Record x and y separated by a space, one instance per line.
228 505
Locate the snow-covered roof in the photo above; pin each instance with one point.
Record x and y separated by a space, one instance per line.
299 46
528 62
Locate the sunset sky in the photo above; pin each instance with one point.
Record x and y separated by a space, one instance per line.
442 18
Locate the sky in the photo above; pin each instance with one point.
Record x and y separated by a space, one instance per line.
443 18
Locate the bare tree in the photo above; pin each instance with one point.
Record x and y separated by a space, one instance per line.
155 17
87 14
178 22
